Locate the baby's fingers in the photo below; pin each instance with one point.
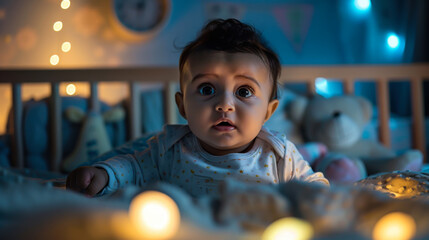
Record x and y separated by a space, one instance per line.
95 186
83 179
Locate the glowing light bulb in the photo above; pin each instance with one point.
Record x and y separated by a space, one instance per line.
66 46
55 59
393 41
58 25
155 215
65 4
321 84
362 4
396 225
70 89
288 228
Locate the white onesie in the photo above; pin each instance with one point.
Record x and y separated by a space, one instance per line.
175 156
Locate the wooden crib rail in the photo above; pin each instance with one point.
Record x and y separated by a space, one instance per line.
348 74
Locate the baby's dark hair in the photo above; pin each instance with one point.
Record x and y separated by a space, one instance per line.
233 36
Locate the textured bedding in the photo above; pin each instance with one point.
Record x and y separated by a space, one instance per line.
241 211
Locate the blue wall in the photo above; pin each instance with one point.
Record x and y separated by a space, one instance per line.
301 32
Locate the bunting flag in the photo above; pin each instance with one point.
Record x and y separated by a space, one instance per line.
295 20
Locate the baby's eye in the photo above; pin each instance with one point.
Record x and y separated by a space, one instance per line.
206 89
244 92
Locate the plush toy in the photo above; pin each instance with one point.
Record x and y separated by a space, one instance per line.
93 139
338 123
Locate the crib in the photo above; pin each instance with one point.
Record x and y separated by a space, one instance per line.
416 74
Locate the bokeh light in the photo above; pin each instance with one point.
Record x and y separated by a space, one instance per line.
66 46
288 228
65 4
321 85
362 5
155 215
393 41
396 225
55 59
58 25
70 89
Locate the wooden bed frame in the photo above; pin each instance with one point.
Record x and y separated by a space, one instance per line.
348 74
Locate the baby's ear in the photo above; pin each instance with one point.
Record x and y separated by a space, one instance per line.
272 106
179 103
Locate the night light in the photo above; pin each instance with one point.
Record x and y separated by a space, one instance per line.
155 215
66 46
70 89
393 41
288 228
362 4
321 85
58 25
55 59
396 225
65 4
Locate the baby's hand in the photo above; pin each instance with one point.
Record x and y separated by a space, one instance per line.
87 180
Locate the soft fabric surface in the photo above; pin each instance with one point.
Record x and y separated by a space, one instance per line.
46 211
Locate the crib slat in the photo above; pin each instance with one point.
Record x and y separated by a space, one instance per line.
311 86
134 111
94 103
55 131
17 137
170 108
349 86
383 110
418 115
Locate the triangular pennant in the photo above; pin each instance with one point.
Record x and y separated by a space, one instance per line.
294 19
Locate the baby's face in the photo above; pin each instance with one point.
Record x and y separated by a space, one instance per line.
226 99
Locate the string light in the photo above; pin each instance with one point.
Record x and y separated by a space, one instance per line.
55 59
66 46
70 89
396 225
58 25
155 215
65 4
288 228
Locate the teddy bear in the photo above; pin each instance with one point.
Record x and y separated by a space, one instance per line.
335 125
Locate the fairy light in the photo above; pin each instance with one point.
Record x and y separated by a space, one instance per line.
66 46
155 215
288 228
58 25
55 59
65 4
396 225
71 89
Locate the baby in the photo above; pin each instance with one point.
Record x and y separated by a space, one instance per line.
228 90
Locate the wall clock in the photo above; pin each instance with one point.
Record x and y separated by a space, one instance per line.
138 20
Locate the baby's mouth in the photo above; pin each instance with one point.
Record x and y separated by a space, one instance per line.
224 125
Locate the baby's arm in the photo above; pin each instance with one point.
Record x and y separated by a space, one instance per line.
122 170
297 168
118 171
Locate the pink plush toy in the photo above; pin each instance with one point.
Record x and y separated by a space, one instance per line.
337 168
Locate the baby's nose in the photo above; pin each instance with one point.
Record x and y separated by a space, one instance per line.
225 104
225 108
